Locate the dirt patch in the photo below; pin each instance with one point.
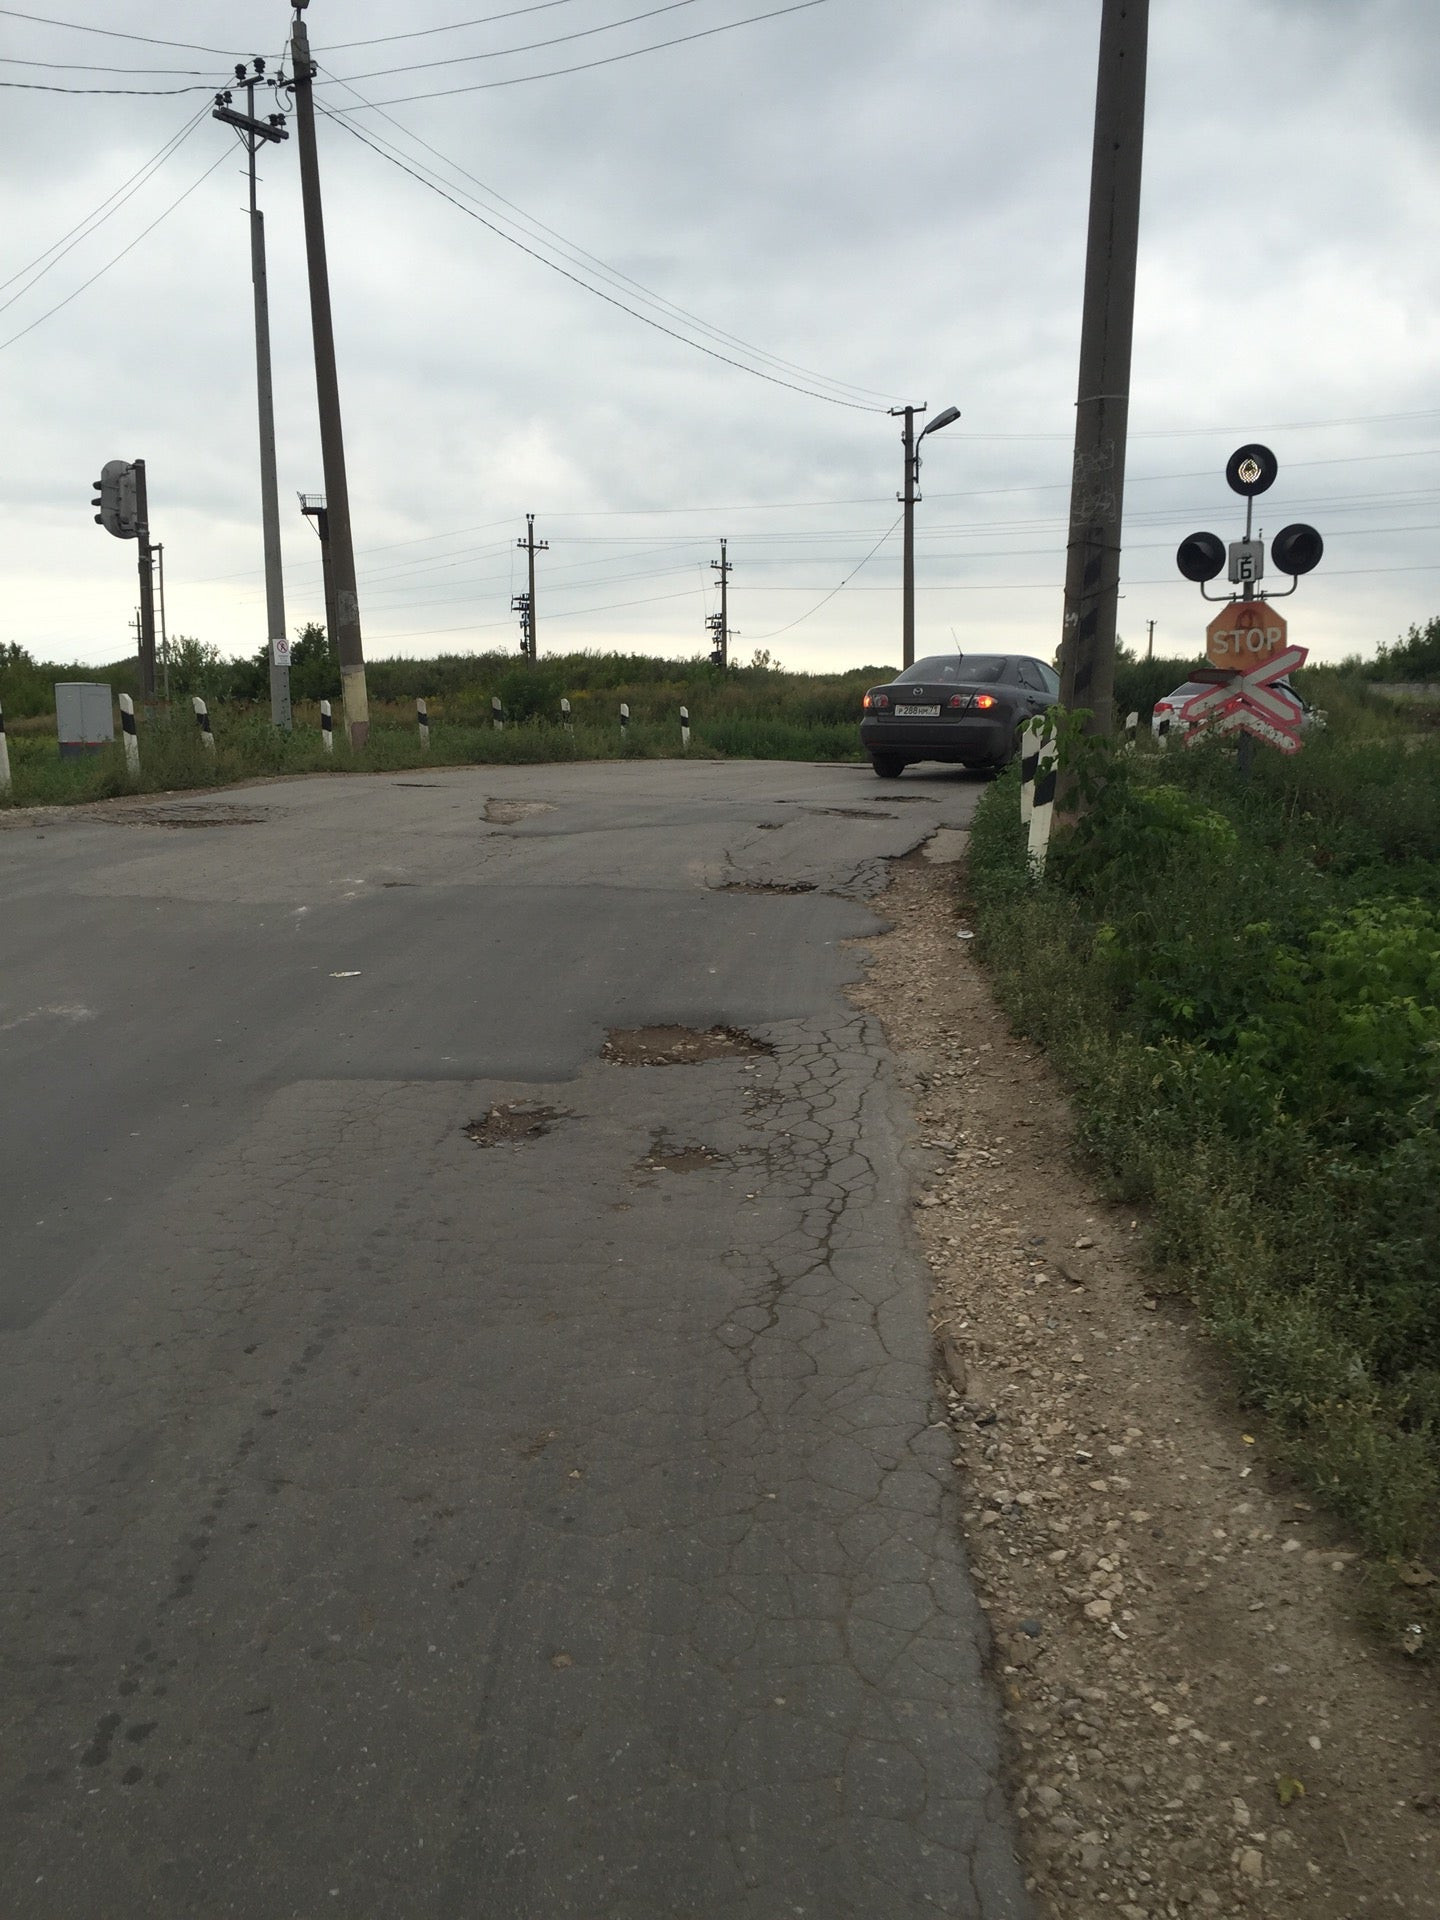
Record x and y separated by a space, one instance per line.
667 1156
204 816
764 886
509 813
513 1123
1200 1724
677 1046
853 813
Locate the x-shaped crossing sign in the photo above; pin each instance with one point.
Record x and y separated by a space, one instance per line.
1252 701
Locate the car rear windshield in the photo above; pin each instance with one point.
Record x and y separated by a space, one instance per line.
954 670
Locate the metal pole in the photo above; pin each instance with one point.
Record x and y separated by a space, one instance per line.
1150 640
147 586
348 641
164 633
1092 566
280 710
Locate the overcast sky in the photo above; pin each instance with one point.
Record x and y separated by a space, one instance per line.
888 194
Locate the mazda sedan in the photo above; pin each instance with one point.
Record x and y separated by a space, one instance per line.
965 707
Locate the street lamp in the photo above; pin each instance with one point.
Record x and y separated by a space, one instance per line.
910 496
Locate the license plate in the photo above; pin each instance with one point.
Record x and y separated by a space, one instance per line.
917 713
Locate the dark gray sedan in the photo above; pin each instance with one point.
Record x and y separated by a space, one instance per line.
966 707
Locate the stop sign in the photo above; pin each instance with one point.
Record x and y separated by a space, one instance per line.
1244 634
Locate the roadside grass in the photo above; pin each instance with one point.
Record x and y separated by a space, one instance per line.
1240 983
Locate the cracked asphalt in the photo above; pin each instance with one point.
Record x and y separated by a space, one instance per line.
394 1525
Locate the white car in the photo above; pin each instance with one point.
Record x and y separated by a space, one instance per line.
1166 713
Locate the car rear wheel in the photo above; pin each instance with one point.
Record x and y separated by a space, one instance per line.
889 766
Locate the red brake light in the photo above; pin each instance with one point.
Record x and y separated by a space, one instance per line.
956 702
866 701
984 701
882 699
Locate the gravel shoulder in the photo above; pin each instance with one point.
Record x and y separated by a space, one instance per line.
1199 1723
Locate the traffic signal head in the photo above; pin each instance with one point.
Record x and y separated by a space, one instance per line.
1200 557
1296 549
1251 469
115 499
717 657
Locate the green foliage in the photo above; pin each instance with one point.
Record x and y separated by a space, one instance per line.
1416 657
1241 981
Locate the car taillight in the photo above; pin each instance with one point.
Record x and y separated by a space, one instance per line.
956 702
882 700
866 701
984 701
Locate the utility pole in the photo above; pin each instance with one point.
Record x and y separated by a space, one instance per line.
719 623
532 546
1097 495
147 586
159 551
348 641
255 134
1150 640
312 505
907 591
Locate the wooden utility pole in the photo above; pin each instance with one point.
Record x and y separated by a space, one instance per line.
348 642
1097 488
1150 640
531 546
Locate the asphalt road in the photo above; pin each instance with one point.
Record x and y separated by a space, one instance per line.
400 1526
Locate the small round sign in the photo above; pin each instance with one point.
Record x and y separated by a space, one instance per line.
1251 469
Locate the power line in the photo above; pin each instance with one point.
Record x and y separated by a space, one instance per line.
531 46
585 66
777 631
457 26
148 93
713 353
118 257
94 220
112 33
81 66
578 254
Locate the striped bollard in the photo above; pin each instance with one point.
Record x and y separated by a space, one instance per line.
497 713
202 719
685 728
624 718
4 756
1030 735
567 719
127 730
1042 807
1132 722
422 715
1162 732
327 727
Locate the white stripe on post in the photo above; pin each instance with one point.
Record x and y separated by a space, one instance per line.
1162 732
127 730
624 717
567 719
422 714
1043 806
4 756
327 726
685 727
1029 764
1132 722
497 713
202 716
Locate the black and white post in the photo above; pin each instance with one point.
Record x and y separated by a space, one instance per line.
127 730
4 756
1031 735
1132 723
497 713
1042 809
685 729
422 716
624 719
202 720
327 727
567 719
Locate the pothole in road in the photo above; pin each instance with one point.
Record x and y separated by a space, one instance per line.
509 813
764 886
666 1156
854 813
211 816
677 1046
513 1122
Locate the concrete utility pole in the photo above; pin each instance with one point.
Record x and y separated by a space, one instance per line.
532 546
348 641
1097 488
146 563
255 134
719 623
907 591
1150 640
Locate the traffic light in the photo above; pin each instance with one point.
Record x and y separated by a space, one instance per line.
115 499
1200 557
717 656
1296 549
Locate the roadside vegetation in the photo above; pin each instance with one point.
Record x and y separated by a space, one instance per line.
1240 981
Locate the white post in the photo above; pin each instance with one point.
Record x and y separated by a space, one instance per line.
4 756
127 729
1132 722
1029 764
202 715
327 726
566 717
497 713
624 718
1043 806
422 714
684 728
1163 731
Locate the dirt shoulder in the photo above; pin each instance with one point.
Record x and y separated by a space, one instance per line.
1198 1722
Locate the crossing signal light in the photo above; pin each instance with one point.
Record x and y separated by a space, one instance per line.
1200 557
1296 549
115 500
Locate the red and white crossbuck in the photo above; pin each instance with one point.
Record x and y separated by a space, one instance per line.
1250 702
